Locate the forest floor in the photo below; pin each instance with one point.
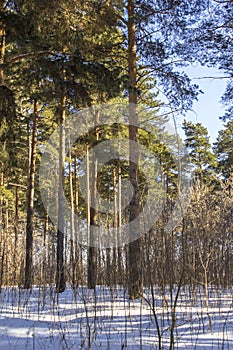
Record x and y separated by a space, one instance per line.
107 319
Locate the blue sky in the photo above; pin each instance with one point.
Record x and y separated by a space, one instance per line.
208 108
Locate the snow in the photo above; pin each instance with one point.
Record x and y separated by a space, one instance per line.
81 319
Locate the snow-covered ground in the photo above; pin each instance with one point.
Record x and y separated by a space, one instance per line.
107 319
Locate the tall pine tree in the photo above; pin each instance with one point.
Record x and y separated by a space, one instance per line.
201 155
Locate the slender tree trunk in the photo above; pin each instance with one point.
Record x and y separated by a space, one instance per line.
92 249
45 249
115 225
60 273
30 202
29 146
1 197
88 206
72 250
16 229
108 267
119 249
77 245
53 256
134 263
2 45
2 232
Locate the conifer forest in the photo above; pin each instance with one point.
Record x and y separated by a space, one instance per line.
116 209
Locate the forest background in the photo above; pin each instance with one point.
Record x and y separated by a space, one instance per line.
59 57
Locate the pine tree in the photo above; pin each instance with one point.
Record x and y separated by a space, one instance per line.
30 200
153 30
224 150
52 48
201 156
135 268
77 78
209 43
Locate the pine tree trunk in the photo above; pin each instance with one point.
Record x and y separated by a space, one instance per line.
29 146
108 267
77 245
60 273
1 197
30 203
72 228
92 250
2 44
119 250
2 232
45 249
115 225
16 230
134 263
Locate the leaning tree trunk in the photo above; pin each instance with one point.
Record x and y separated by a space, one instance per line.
134 256
30 202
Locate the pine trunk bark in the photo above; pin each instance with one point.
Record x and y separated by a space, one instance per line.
16 230
45 250
77 245
119 250
134 256
60 273
2 44
72 226
2 232
115 225
30 203
92 250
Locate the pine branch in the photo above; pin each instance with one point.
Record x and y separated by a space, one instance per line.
26 56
